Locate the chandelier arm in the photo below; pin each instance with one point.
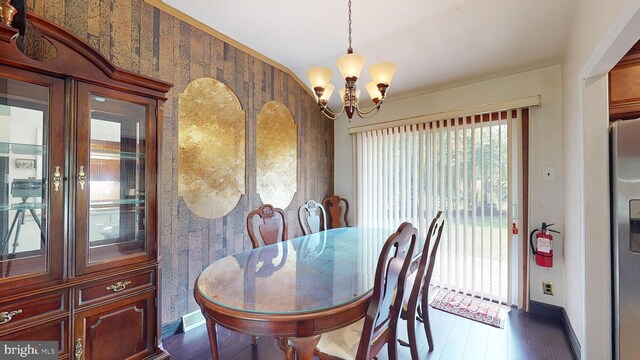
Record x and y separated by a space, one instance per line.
332 116
326 109
367 114
374 110
330 113
362 112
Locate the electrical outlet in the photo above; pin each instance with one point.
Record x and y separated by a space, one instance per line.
547 288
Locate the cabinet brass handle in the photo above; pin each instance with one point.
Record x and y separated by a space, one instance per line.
57 179
119 286
6 316
81 177
79 349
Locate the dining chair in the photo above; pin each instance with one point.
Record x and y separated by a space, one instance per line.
266 225
415 306
364 339
312 217
332 203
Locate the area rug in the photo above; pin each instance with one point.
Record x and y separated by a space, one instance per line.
470 307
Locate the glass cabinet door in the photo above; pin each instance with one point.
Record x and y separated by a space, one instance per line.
112 169
31 178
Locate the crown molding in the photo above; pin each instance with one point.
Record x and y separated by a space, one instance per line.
158 4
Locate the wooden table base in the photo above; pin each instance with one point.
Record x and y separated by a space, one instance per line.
305 346
213 338
283 344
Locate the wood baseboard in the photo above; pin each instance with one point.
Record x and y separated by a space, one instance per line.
558 312
171 328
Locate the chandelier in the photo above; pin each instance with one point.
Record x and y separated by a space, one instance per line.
350 66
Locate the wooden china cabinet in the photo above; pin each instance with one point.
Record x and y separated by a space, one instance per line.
78 197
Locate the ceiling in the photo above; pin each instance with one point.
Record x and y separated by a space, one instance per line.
435 43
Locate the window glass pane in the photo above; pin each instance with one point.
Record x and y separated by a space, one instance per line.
116 178
23 161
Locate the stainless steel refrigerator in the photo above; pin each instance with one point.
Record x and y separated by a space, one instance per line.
625 220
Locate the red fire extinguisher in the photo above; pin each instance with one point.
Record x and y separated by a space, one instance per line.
543 247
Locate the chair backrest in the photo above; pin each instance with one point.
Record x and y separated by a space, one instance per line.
312 217
263 262
332 203
266 225
427 260
381 320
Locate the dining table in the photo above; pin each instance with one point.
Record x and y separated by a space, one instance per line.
293 290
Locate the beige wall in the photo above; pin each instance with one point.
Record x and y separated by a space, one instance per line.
546 197
601 32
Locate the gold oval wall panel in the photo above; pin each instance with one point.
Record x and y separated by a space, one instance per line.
211 154
276 155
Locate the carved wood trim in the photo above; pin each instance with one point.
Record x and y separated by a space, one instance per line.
77 59
308 216
335 211
116 313
74 43
7 32
270 226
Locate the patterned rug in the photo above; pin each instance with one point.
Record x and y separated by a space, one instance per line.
470 307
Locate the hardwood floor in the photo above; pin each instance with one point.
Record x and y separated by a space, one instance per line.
525 336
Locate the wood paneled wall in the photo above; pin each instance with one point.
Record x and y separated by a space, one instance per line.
141 38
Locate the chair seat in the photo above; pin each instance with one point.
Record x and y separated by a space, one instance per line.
343 342
378 329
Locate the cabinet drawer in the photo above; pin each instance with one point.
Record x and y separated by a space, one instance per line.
105 289
32 309
57 330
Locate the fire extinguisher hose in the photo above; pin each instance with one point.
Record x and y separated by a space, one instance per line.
533 248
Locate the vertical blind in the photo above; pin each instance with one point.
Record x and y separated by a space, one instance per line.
460 166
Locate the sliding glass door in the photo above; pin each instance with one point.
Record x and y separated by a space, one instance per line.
462 166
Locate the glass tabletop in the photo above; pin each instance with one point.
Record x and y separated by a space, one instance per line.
305 274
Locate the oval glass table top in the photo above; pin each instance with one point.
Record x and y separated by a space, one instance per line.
305 274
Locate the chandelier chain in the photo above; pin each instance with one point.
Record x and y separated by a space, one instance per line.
349 50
